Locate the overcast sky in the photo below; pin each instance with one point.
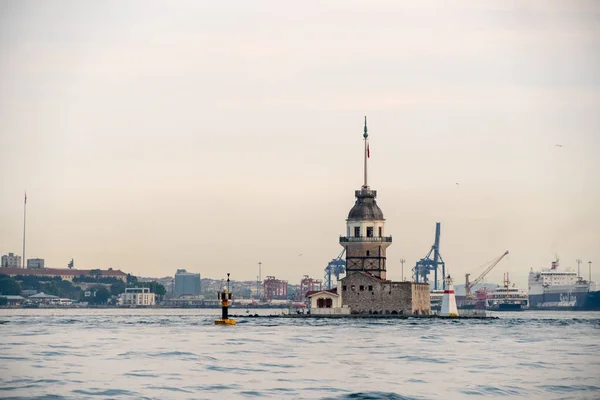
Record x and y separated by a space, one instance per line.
152 136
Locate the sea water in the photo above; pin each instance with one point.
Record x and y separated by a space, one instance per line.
181 354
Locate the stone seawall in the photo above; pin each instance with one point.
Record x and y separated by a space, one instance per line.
362 316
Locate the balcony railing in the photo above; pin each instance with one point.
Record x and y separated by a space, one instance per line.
365 193
346 239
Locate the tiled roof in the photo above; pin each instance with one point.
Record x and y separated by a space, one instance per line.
59 272
11 297
312 292
43 295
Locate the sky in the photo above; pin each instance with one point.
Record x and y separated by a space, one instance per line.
156 135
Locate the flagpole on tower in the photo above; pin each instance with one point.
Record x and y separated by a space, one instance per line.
366 136
24 220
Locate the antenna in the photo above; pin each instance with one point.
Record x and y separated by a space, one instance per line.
402 261
366 137
24 226
258 280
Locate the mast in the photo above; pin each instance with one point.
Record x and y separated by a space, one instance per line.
24 225
366 136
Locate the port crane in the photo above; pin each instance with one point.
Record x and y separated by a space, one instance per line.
432 262
469 285
335 268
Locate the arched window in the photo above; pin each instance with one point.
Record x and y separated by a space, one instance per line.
328 303
320 303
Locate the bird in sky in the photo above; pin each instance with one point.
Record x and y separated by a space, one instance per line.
299 255
559 145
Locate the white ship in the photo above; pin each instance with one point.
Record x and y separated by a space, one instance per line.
507 298
554 289
435 297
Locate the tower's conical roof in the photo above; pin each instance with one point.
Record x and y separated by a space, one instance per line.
365 207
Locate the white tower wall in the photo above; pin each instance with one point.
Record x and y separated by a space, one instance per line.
449 308
351 224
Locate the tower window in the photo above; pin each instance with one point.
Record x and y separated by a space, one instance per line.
362 287
370 288
369 231
357 231
344 288
368 253
380 231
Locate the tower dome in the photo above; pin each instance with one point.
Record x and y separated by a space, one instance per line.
366 208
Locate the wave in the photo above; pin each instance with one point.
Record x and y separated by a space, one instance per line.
373 396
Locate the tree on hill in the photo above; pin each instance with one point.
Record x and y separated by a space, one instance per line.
101 295
96 273
9 286
62 288
35 282
131 279
96 278
157 288
117 288
154 286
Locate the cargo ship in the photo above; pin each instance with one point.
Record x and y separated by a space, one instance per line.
507 298
551 289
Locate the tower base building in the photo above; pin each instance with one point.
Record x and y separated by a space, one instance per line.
364 293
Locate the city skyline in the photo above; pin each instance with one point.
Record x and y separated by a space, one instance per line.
212 137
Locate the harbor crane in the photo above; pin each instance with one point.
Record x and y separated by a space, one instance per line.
469 285
335 268
432 262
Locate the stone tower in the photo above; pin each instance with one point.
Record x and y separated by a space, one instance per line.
365 242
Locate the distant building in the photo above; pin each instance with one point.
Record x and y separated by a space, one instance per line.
275 288
13 300
11 261
35 263
191 301
66 274
137 297
43 297
326 302
186 283
167 282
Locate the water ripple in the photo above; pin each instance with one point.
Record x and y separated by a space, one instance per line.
373 396
129 354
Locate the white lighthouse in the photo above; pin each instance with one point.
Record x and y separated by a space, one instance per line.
449 301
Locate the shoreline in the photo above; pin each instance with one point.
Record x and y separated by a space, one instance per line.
362 316
105 307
